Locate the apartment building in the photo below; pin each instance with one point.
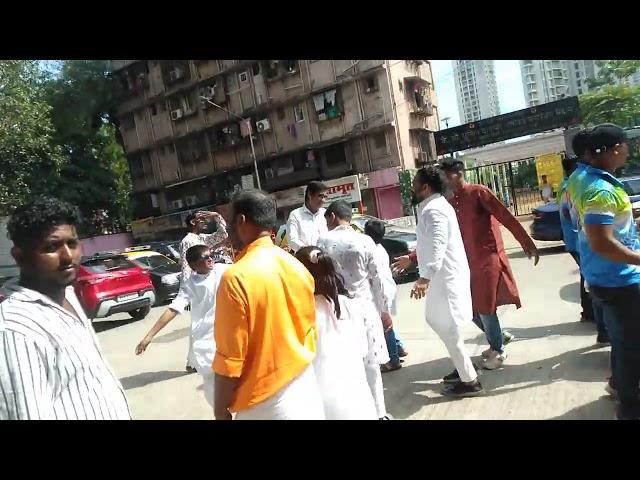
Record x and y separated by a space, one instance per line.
308 120
550 80
476 89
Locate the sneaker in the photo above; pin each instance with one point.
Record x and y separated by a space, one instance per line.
402 352
390 367
507 337
494 360
388 416
487 352
453 377
461 390
190 369
602 340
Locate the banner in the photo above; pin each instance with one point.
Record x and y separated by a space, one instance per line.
551 166
345 188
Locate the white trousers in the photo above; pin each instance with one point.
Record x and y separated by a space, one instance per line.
374 379
450 334
299 400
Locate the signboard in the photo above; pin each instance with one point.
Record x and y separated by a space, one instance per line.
551 166
561 113
345 188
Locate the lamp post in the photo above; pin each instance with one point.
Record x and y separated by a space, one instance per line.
253 151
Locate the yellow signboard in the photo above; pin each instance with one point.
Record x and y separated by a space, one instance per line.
550 165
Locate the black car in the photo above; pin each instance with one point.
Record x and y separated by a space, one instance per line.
170 249
165 273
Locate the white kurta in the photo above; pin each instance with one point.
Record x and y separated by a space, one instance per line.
340 349
305 228
443 261
386 277
353 253
200 291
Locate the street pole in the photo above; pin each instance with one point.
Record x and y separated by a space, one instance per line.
253 151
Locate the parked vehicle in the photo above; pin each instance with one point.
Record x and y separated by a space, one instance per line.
397 241
109 283
165 273
168 249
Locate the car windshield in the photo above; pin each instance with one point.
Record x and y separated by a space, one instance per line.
632 186
361 220
155 261
108 264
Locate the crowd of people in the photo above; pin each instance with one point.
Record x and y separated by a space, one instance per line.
308 334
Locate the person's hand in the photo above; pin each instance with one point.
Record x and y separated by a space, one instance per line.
226 415
400 264
387 321
142 346
533 253
419 289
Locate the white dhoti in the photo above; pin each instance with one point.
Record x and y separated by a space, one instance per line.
299 400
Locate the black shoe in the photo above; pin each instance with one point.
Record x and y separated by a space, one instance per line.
390 367
461 390
602 340
627 414
402 352
387 417
586 318
454 377
190 369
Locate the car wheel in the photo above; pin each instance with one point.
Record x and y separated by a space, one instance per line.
140 313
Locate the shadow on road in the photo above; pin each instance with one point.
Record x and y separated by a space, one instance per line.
542 251
571 292
173 336
104 325
414 387
572 328
602 409
147 378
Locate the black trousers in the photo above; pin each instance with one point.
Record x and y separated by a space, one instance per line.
621 310
585 298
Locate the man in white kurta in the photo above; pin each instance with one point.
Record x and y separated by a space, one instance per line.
354 255
444 276
307 224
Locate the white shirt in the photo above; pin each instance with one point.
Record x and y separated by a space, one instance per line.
200 291
386 276
340 350
192 239
442 260
51 366
305 228
547 192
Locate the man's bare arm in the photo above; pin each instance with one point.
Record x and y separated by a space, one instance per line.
225 388
605 244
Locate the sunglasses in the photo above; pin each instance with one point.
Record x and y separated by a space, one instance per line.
211 256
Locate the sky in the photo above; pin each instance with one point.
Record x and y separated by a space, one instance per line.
510 93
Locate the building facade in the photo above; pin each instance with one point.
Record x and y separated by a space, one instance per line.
546 81
476 89
308 119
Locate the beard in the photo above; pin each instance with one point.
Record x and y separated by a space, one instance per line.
414 199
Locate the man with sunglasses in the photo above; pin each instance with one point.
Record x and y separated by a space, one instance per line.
199 290
196 223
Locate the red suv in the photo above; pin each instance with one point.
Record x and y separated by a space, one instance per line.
109 283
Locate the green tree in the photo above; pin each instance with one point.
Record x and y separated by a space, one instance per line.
29 160
96 176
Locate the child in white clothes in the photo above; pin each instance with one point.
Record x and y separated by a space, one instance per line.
199 290
342 343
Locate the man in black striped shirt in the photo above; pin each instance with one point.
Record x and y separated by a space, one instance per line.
51 366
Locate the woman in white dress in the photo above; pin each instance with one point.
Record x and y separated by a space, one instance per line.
342 342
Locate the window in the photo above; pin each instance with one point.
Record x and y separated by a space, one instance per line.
576 66
280 113
298 112
579 91
371 84
289 66
154 109
380 141
243 77
255 68
578 74
326 105
579 83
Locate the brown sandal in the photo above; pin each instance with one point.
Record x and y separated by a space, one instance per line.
390 367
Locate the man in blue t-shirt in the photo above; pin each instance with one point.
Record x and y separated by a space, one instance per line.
610 257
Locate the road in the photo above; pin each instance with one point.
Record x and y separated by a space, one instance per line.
553 369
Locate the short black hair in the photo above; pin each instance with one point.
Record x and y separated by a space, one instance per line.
452 165
194 253
257 206
340 209
435 178
32 222
579 143
314 187
189 219
375 229
569 164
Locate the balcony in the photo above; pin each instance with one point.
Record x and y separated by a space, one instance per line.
425 109
418 122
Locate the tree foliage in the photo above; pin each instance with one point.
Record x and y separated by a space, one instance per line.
30 160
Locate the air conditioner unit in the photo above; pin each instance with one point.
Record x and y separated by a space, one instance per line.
263 125
177 204
208 92
191 200
176 114
176 74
